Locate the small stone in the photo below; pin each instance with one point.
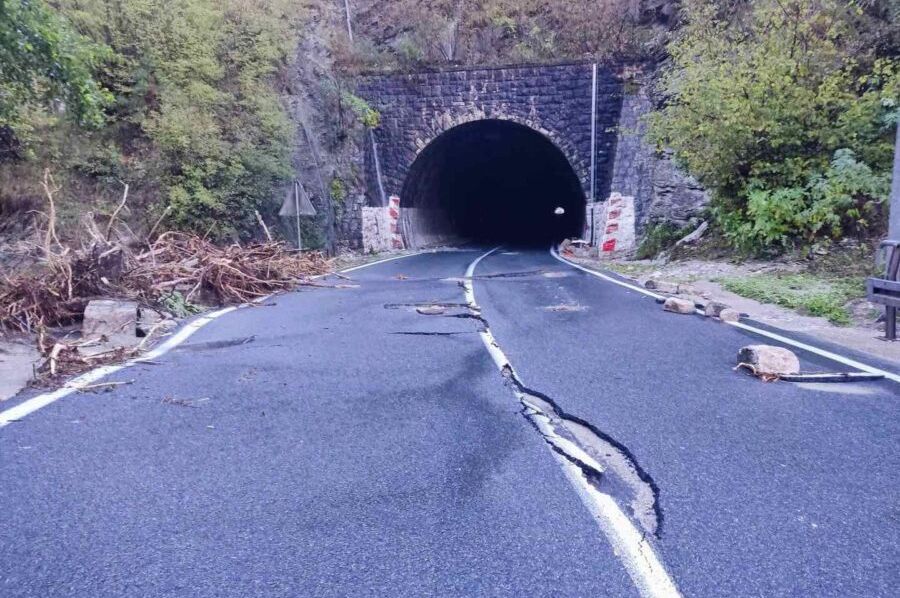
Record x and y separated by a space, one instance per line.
109 317
730 315
714 308
678 306
769 360
431 310
662 286
166 325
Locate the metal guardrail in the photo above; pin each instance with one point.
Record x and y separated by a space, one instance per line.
886 290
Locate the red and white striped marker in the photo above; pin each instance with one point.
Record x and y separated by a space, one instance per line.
394 220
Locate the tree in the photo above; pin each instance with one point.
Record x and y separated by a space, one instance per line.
197 113
45 65
767 99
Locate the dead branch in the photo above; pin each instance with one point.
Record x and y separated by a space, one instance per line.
112 219
262 223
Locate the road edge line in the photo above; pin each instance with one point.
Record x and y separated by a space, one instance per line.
749 328
631 546
29 406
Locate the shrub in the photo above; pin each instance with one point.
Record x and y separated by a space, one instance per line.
658 237
776 107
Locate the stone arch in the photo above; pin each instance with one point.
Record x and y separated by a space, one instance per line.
491 180
447 121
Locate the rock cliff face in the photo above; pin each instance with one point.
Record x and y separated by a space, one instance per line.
662 192
334 154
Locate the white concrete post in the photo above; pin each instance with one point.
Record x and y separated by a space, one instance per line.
593 197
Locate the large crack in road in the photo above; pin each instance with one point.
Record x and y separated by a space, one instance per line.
608 475
622 497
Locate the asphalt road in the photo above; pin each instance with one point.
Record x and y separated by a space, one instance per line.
337 442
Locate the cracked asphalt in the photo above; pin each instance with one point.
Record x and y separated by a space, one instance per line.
339 443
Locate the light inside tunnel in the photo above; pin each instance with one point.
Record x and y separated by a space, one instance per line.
492 181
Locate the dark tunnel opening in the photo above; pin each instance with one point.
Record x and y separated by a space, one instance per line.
492 181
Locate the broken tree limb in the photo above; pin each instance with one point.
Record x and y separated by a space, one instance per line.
99 385
112 218
262 223
694 236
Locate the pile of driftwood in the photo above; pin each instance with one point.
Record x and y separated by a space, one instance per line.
55 290
231 274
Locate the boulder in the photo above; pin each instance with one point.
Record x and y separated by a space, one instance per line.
714 308
109 317
730 315
679 306
769 360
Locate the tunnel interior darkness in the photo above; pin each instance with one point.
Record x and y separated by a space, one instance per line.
494 181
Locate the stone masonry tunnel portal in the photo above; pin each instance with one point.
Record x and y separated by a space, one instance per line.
494 181
489 154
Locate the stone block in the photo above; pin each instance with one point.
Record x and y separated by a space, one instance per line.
730 315
109 317
769 360
678 306
661 286
714 308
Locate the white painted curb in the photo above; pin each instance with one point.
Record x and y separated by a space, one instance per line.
748 327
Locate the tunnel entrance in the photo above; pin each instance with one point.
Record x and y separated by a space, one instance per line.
492 181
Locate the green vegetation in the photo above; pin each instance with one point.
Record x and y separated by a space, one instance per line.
442 32
367 116
785 109
806 293
658 237
176 304
338 191
183 98
45 66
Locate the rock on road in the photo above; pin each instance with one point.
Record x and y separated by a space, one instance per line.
361 441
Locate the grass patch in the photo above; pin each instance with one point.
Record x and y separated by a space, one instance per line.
808 294
628 268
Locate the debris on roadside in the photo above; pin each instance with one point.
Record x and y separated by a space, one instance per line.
565 307
57 292
183 402
577 248
694 236
768 362
431 310
125 293
833 377
730 315
678 306
713 309
670 288
102 386
110 318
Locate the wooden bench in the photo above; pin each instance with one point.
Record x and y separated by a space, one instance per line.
886 290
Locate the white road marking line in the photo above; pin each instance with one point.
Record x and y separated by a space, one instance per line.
382 261
42 400
629 543
749 328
